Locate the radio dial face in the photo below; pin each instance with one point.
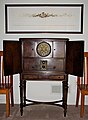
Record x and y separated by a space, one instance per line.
43 49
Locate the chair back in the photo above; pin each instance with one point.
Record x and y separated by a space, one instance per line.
4 80
84 79
85 67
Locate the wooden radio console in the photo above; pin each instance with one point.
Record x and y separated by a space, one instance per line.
43 59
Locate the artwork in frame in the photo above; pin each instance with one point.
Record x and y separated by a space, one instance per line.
44 18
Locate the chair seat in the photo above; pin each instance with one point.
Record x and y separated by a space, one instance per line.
5 86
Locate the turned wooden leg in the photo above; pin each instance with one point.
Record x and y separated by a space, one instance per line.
77 97
65 92
82 105
21 97
7 104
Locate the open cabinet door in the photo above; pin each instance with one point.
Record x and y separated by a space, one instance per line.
12 57
74 57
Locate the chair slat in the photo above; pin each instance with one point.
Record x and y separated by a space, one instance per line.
4 80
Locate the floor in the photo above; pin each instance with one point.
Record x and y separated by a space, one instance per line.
43 112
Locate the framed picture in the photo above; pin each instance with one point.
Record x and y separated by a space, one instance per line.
44 18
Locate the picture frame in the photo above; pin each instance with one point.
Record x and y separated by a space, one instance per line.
44 18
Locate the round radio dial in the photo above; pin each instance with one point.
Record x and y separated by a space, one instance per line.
43 49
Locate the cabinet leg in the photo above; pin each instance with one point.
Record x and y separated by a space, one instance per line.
21 97
24 92
65 92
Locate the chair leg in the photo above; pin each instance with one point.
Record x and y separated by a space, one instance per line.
7 104
77 97
82 105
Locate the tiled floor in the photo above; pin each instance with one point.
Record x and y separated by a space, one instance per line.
43 112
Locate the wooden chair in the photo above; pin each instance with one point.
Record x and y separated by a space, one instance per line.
82 85
6 86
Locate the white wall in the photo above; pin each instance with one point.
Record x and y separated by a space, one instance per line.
43 90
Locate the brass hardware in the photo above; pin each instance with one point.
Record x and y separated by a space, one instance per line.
43 64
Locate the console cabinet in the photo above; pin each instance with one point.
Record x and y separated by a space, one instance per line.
43 59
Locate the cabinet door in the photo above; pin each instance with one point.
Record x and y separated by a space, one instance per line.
74 57
12 57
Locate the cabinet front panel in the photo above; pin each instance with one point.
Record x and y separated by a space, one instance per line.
43 77
59 49
43 64
28 49
43 59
